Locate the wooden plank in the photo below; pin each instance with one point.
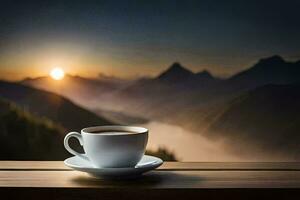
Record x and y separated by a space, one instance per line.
211 166
32 165
53 180
154 180
176 166
148 194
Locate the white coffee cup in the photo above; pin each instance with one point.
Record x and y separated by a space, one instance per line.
111 146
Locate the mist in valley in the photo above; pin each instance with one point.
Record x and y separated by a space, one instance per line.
186 145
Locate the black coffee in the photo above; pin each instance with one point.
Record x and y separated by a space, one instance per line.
112 132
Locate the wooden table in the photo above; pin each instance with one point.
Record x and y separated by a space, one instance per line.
53 180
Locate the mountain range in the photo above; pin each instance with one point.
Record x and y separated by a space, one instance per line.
203 103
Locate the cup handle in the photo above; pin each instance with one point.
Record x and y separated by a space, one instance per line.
78 136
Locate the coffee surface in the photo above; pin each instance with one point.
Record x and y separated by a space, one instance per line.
112 132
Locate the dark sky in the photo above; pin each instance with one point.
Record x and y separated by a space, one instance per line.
136 38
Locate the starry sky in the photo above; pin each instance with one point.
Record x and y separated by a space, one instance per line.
142 38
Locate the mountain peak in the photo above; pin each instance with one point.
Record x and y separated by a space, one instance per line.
178 68
205 74
175 72
176 65
273 59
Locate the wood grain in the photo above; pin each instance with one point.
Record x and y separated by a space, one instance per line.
168 166
157 179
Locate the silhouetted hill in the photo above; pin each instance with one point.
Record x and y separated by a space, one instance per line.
24 136
50 105
268 117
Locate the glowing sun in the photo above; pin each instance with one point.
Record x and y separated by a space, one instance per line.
57 73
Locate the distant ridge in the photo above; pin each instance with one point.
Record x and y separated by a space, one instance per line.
83 91
269 70
273 69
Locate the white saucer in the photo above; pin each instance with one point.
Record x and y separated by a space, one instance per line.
146 164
